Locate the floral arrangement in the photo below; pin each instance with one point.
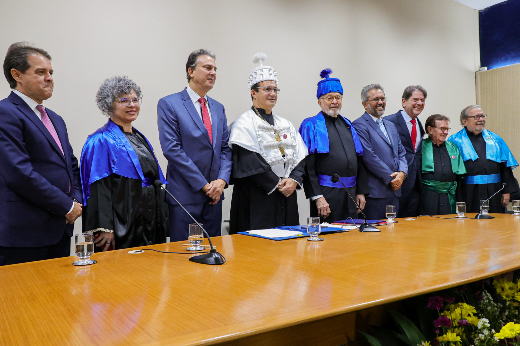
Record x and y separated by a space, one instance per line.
485 313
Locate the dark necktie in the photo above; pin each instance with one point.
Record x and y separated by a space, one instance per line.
414 133
205 118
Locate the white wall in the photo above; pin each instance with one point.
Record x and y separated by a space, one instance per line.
395 43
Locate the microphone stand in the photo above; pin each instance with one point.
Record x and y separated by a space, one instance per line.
365 227
487 216
213 257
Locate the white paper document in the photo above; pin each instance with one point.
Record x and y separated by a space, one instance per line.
275 233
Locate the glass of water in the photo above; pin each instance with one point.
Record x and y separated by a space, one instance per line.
195 237
484 207
516 207
460 208
390 213
84 245
314 228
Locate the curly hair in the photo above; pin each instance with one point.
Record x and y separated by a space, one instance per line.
111 89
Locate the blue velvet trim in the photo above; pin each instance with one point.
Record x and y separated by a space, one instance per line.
314 133
107 151
482 179
324 180
496 149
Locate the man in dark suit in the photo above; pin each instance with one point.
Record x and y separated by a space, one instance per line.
40 189
383 153
411 133
194 139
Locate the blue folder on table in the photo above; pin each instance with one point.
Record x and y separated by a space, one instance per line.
300 228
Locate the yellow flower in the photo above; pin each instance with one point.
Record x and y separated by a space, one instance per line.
449 337
510 330
473 320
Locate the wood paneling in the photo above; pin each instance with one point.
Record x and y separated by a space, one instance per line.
282 292
498 91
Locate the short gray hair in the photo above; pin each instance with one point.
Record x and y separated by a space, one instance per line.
365 90
193 59
111 89
465 112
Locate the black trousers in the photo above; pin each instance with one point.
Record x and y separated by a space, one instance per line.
13 255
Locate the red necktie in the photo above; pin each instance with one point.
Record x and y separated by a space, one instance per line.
414 133
205 118
47 122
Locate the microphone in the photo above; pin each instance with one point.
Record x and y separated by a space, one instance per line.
487 216
213 257
365 227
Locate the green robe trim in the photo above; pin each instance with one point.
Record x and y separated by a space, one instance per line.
457 167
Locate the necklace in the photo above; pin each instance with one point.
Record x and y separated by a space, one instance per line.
276 134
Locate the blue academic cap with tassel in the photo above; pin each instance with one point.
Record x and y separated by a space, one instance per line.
328 85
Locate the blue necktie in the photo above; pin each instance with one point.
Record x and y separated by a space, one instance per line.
382 127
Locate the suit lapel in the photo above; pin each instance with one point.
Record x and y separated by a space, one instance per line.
190 108
28 112
62 134
214 119
375 126
404 129
394 136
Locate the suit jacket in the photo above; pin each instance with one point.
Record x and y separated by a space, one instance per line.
35 177
380 157
413 158
192 160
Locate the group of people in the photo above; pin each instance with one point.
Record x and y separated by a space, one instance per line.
118 184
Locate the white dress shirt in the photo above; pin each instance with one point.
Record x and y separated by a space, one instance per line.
195 99
408 121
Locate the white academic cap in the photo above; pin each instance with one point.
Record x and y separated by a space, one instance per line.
261 73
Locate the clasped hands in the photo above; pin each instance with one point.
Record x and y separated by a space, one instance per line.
324 208
398 180
287 186
214 190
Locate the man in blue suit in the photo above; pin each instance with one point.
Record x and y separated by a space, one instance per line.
40 189
194 139
383 153
411 133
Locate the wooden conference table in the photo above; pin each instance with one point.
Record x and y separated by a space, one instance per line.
268 292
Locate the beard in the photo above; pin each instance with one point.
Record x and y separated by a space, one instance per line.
332 112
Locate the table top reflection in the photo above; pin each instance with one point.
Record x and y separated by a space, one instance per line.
163 299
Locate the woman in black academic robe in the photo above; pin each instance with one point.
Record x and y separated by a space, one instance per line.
124 206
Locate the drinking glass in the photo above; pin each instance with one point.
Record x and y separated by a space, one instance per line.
484 207
390 213
195 237
314 228
84 245
516 207
461 209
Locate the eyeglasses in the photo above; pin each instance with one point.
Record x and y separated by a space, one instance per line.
443 129
127 101
376 100
335 97
269 89
481 116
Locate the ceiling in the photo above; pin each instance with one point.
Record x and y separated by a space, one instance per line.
480 4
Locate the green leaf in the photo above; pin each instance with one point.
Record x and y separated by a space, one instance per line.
372 340
412 332
389 337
